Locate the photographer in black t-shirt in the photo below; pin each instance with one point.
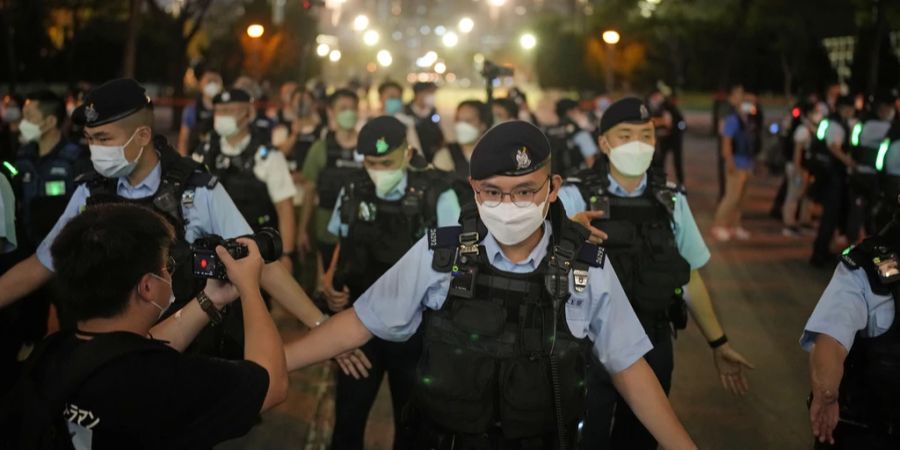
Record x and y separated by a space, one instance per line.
114 272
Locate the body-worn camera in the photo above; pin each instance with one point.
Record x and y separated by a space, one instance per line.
207 263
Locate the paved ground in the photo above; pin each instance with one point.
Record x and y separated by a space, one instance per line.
763 290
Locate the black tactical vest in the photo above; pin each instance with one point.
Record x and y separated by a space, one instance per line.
249 193
499 353
44 187
340 165
382 231
818 158
460 175
180 177
642 247
869 391
864 177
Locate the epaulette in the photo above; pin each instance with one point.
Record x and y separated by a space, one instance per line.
88 177
675 187
444 237
202 178
592 255
852 257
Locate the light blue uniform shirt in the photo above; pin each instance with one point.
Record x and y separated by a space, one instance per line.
447 208
687 235
392 308
847 306
7 216
213 212
585 144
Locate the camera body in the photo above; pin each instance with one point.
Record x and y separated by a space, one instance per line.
207 264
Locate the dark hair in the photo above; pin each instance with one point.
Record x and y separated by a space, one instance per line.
102 253
389 84
484 115
564 105
509 105
342 93
49 104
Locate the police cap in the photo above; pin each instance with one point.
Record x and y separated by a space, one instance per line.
233 95
511 148
381 136
626 110
111 102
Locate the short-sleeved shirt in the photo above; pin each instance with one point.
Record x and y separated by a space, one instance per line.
7 216
160 399
847 307
189 115
892 159
835 134
270 167
315 163
392 308
687 235
735 129
212 212
585 144
802 136
873 132
447 208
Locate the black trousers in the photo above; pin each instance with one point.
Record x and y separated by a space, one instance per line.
354 398
671 144
834 205
609 423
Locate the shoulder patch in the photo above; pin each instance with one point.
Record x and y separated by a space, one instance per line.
592 255
202 179
88 177
677 188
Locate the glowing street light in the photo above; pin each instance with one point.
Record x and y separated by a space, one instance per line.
466 25
611 37
335 55
255 31
528 41
371 37
440 68
384 58
361 22
450 39
323 50
497 3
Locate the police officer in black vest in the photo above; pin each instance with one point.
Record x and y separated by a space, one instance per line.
132 165
472 121
43 178
573 147
508 302
854 339
654 244
381 212
254 173
423 111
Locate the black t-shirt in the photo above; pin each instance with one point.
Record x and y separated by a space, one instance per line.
161 400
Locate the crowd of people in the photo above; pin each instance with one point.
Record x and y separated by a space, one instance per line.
519 283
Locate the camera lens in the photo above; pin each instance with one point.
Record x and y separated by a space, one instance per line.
269 242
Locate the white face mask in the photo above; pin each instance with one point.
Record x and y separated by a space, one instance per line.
385 180
632 158
29 131
110 160
510 224
162 310
225 126
466 133
212 89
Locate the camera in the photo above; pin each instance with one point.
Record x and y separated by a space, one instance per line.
491 71
206 263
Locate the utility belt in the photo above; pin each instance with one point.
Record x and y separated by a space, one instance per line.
429 436
665 324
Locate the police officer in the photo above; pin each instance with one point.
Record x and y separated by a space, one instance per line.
197 118
472 119
380 214
573 147
329 162
43 178
653 242
134 166
508 302
422 110
832 151
253 172
853 339
866 139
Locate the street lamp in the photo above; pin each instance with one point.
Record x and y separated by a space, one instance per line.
384 58
466 25
255 31
323 50
371 38
335 55
450 39
440 68
611 38
497 3
361 22
528 41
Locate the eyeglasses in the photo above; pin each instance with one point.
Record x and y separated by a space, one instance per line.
522 197
171 265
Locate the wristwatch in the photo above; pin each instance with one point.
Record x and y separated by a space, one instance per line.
215 316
